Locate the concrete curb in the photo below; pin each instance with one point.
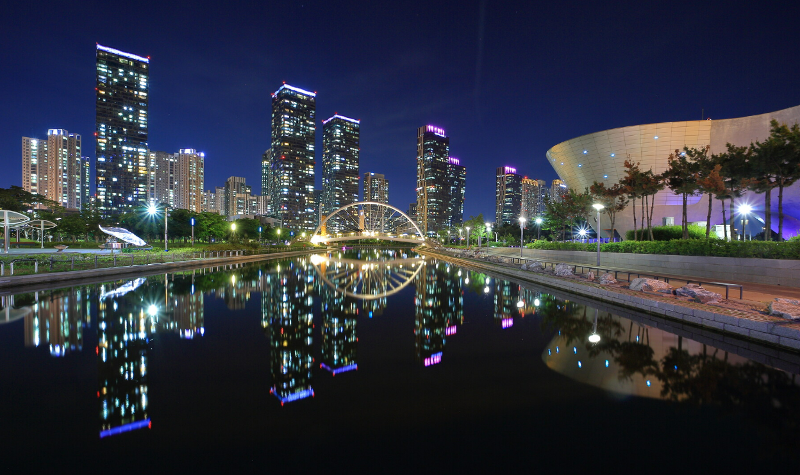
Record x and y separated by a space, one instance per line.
772 331
81 276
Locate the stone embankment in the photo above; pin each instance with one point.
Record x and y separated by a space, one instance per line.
777 325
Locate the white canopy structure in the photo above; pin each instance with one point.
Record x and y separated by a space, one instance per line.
9 220
41 225
123 235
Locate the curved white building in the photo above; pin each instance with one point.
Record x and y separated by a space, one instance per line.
600 157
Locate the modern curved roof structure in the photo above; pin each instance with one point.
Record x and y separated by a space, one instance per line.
600 157
124 235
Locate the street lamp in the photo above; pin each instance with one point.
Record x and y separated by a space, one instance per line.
468 228
278 230
538 228
192 223
152 210
489 232
744 210
598 207
233 230
259 234
521 223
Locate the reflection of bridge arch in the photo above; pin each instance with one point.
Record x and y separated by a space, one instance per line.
367 220
366 280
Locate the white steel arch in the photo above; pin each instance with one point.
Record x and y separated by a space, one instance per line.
367 220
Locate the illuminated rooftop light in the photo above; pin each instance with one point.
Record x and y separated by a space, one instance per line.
122 53
453 161
337 116
296 89
511 169
436 130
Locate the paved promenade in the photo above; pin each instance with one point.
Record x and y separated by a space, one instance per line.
754 293
740 324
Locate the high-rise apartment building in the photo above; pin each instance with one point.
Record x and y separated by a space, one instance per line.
237 197
533 198
55 169
121 108
162 178
508 196
291 170
376 188
340 149
557 190
433 190
266 179
191 179
456 180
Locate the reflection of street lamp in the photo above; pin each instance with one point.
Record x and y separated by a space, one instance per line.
598 207
152 310
594 337
538 228
744 210
152 210
521 223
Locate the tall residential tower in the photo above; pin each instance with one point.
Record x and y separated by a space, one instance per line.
340 148
433 190
508 197
123 83
55 169
291 170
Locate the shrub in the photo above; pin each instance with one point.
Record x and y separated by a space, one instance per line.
666 233
686 247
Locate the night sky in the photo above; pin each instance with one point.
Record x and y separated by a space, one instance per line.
506 80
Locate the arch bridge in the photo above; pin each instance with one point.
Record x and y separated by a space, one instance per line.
367 220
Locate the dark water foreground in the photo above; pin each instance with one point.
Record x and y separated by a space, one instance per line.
371 361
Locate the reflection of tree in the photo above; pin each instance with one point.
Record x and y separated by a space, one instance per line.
574 322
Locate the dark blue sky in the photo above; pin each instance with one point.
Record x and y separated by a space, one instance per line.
506 80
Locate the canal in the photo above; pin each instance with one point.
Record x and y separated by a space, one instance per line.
374 360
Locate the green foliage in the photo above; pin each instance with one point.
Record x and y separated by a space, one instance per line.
686 247
666 233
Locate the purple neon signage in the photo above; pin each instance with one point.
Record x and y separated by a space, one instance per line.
453 161
435 130
510 170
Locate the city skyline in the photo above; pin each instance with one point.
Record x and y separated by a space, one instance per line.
213 97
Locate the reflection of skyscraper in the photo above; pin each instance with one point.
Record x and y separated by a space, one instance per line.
506 296
339 313
290 330
123 350
188 315
438 308
57 320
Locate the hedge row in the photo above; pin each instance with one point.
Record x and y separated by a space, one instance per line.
667 233
690 247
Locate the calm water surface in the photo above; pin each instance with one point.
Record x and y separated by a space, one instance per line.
370 361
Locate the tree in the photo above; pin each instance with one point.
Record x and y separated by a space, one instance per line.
613 199
736 174
477 227
681 178
776 161
17 199
713 185
649 185
631 186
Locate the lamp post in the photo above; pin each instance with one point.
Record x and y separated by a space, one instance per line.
468 228
152 210
598 207
521 223
278 230
538 228
233 230
745 210
259 234
489 232
192 222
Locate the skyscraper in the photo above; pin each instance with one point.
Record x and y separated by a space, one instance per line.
121 107
292 157
456 179
191 179
376 188
557 190
162 178
433 190
532 198
55 169
237 195
340 149
508 196
266 179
